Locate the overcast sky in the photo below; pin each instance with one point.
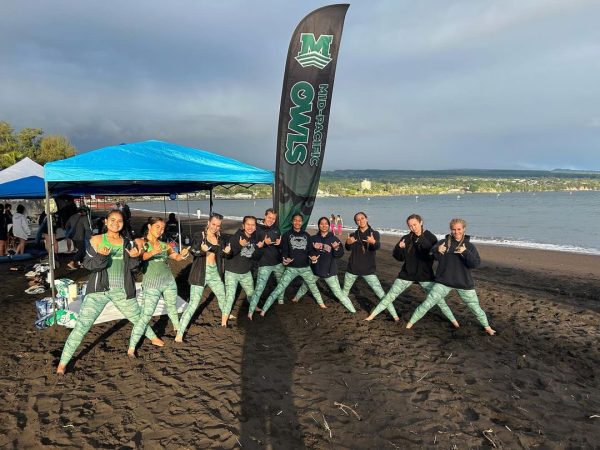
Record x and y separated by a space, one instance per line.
426 84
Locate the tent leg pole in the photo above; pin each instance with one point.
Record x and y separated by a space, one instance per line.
179 224
51 250
210 206
165 206
187 198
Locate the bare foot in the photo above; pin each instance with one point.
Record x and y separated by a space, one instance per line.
322 306
369 318
409 326
60 370
258 310
489 331
158 342
455 323
396 319
131 353
295 300
250 316
262 314
178 338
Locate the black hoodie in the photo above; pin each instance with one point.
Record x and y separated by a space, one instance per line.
454 269
271 254
296 245
418 262
239 259
326 265
362 255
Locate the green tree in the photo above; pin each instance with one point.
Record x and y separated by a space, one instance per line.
8 142
29 141
10 158
53 148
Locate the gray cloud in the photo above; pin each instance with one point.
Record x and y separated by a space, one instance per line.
420 85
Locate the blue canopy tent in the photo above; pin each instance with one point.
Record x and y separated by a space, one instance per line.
28 187
149 167
24 179
145 168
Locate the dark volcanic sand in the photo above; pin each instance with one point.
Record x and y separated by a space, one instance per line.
273 382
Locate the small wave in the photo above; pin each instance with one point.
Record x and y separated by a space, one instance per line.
509 243
537 246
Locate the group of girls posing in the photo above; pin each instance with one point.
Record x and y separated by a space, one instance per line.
223 265
112 258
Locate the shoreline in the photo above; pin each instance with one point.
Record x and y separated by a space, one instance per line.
386 232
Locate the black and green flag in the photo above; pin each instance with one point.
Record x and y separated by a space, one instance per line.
304 111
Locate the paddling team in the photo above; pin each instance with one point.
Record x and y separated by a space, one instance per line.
112 258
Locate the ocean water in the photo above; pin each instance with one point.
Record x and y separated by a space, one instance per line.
562 221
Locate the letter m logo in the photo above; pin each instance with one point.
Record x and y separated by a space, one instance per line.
314 52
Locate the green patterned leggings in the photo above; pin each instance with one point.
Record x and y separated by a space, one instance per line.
212 279
288 276
232 280
91 307
398 288
261 281
374 284
334 284
150 299
438 293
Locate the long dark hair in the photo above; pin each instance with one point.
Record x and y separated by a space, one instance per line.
360 212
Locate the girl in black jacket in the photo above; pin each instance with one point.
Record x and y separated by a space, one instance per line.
363 245
297 254
328 248
242 250
207 270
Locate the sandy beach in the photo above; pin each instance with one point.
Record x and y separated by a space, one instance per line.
278 382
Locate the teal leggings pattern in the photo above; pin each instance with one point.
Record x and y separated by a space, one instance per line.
232 280
213 281
289 275
398 288
91 307
374 284
261 281
150 299
334 284
438 293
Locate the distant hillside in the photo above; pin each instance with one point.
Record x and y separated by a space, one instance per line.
585 173
392 176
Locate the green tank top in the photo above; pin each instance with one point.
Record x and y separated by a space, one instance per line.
115 266
157 273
